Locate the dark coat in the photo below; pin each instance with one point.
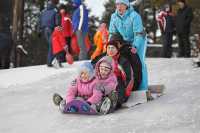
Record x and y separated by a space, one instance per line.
183 20
5 50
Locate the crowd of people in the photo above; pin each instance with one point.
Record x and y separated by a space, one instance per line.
181 23
117 66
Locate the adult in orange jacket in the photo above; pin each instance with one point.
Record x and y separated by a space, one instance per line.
100 40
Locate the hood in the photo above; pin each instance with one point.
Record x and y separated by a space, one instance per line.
77 3
88 67
128 11
50 5
126 2
106 59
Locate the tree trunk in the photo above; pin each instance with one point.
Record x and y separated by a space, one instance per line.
17 31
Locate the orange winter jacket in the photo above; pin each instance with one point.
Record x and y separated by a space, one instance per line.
100 40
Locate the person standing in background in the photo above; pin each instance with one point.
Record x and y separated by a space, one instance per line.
49 19
183 23
100 40
66 24
166 23
80 26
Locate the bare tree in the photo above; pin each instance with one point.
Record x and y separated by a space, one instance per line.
17 29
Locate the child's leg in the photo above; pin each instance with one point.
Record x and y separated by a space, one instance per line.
68 41
60 57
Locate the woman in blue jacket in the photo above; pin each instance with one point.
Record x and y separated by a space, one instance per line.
128 23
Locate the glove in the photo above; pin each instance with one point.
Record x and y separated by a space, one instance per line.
89 102
133 50
66 48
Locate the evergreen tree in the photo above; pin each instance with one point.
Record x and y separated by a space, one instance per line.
109 9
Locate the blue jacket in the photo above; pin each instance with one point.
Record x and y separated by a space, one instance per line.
131 28
49 17
80 22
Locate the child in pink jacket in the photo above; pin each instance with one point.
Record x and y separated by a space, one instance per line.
106 80
84 86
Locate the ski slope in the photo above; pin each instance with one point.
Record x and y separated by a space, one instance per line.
26 102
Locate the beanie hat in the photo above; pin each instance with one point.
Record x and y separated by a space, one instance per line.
126 2
116 37
87 66
114 43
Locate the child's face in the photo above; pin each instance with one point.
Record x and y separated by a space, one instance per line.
62 11
111 50
104 69
84 76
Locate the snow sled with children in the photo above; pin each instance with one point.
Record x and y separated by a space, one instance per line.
108 82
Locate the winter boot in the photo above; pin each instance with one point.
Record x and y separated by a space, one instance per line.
55 63
149 96
114 98
105 106
62 106
57 99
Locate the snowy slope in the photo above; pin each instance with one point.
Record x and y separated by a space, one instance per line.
26 102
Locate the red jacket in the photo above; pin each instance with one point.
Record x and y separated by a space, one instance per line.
58 41
66 24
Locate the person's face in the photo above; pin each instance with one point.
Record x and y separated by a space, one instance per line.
84 76
62 11
111 50
167 8
104 70
181 5
121 8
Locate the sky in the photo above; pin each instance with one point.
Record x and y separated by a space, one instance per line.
96 6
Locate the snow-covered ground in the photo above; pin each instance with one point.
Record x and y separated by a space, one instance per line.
26 102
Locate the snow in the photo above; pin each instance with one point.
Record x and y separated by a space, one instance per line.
26 102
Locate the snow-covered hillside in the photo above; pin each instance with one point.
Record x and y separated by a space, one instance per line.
26 102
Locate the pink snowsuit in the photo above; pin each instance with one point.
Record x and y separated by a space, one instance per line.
110 83
86 90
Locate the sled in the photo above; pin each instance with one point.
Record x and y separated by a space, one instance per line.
78 107
143 96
